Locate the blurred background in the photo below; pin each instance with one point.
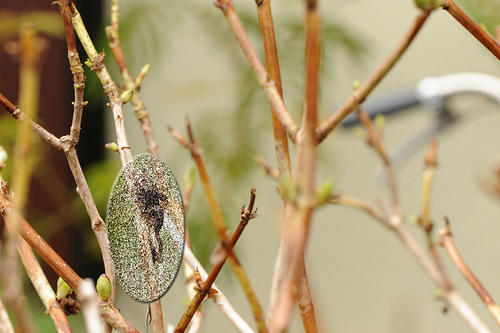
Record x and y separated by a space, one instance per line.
361 277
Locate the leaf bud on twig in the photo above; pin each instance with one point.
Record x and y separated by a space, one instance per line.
112 146
63 289
103 287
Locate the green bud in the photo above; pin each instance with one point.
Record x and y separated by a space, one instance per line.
287 188
356 85
103 287
112 146
428 4
3 155
324 192
63 289
145 69
126 96
88 63
190 177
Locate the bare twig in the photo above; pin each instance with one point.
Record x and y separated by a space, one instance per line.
425 220
273 68
109 86
482 36
428 265
218 220
219 299
448 243
69 145
58 264
17 114
43 287
292 265
362 93
246 215
112 32
90 306
267 84
375 141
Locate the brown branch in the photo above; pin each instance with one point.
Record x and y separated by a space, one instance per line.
374 140
76 69
141 113
482 36
265 81
292 264
342 200
17 114
43 287
273 68
69 145
429 266
246 215
362 93
58 264
448 243
109 86
219 299
218 220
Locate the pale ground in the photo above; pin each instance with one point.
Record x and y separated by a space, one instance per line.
362 279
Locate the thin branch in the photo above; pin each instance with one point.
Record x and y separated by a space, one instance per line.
76 69
218 220
292 259
267 84
425 220
429 266
189 273
52 258
246 215
482 36
362 93
43 287
83 189
156 316
374 140
448 243
112 32
109 86
273 68
219 299
69 144
342 200
17 114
